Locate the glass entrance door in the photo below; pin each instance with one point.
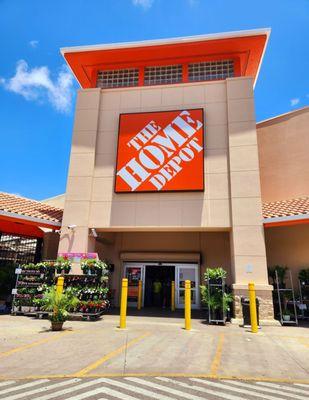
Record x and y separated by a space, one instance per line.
184 272
134 272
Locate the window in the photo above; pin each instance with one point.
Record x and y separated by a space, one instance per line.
17 249
164 74
117 78
208 71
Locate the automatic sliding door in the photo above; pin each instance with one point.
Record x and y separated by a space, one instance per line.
187 272
134 273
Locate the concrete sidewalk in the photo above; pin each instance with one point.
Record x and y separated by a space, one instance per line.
151 346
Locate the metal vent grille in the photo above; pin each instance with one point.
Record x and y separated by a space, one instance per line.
163 74
208 71
117 78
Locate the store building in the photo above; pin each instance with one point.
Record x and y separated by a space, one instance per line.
164 173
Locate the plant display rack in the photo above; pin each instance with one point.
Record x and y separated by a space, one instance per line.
92 291
215 287
30 285
303 303
91 287
286 300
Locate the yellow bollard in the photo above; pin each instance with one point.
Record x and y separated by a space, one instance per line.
123 304
59 286
139 295
173 296
253 316
187 305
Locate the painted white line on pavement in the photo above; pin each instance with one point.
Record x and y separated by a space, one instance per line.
137 389
252 386
283 387
166 389
70 390
6 383
25 386
234 389
117 394
90 393
302 385
201 389
45 388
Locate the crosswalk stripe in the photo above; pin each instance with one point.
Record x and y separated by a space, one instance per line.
302 385
137 390
233 389
117 394
25 386
6 383
265 389
41 389
285 387
201 389
70 390
84 395
166 389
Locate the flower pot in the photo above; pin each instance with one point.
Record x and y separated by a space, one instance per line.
286 317
56 326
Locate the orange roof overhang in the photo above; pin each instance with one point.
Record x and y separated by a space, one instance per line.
245 47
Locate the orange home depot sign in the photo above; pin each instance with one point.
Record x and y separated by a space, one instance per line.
160 151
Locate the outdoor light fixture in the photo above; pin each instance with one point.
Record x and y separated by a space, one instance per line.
94 232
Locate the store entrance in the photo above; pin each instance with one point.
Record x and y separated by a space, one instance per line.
158 282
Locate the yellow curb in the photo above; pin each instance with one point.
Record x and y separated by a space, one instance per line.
153 374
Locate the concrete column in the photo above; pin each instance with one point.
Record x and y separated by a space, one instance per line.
248 253
50 245
80 176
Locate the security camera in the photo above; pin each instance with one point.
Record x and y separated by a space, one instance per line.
73 226
94 232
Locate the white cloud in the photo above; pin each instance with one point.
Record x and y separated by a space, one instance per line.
294 101
145 4
34 43
36 84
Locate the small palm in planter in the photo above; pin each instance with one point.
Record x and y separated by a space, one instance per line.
60 304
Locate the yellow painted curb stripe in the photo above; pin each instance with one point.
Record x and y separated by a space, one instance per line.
33 344
110 355
170 375
217 358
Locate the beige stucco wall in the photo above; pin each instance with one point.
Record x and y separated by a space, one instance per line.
284 157
288 246
56 201
231 200
213 247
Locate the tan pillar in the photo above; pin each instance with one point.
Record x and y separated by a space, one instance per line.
80 176
248 252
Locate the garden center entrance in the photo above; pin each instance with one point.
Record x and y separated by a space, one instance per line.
156 283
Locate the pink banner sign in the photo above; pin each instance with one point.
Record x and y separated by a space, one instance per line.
78 256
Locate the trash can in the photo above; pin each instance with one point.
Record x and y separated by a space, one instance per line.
245 303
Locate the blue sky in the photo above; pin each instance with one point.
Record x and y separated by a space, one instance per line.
37 118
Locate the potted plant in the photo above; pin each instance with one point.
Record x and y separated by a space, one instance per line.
92 266
286 315
281 273
218 302
303 276
215 275
60 304
63 265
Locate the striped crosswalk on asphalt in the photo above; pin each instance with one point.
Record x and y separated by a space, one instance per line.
157 387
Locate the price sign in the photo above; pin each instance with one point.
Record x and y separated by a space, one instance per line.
18 271
14 291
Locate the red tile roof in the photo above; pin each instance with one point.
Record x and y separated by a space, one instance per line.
22 206
286 208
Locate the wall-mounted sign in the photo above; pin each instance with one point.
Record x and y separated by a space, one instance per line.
160 151
76 257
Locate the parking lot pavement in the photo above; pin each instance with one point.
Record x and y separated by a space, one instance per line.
152 347
130 388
